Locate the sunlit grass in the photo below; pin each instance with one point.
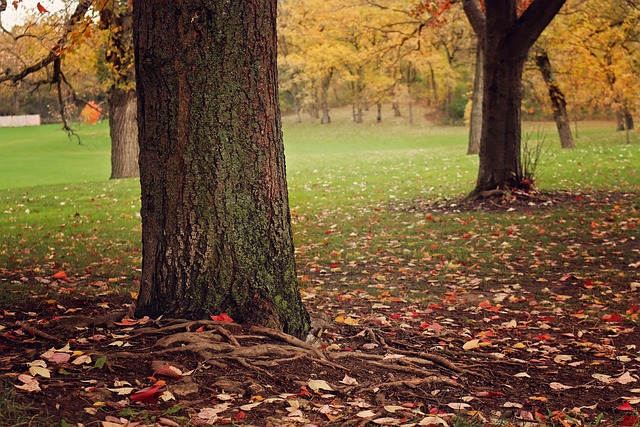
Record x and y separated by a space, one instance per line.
357 195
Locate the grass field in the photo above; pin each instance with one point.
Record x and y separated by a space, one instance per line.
59 210
378 227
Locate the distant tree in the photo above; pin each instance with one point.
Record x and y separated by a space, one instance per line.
506 38
74 31
558 102
216 233
116 19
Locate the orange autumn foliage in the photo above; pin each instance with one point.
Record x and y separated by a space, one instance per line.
91 113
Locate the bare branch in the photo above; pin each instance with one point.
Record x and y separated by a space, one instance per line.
58 48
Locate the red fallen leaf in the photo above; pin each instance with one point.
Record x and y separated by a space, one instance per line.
165 369
396 316
485 304
126 322
489 394
412 405
626 406
304 392
629 421
148 394
612 318
239 416
543 337
59 274
41 8
224 317
334 265
200 329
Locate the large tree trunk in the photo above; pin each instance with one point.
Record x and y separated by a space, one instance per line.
506 38
558 103
123 127
475 121
501 123
216 231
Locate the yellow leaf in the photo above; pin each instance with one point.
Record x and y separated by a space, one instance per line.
470 345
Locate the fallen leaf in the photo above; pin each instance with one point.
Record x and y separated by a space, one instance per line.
165 369
38 370
559 386
29 383
470 345
387 421
123 391
366 414
250 406
603 378
81 360
458 406
127 322
626 406
59 358
316 385
562 358
348 380
148 394
427 421
629 421
626 378
59 274
613 318
224 317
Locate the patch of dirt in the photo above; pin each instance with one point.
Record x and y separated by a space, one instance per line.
523 202
500 355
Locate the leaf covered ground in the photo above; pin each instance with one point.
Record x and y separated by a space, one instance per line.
530 320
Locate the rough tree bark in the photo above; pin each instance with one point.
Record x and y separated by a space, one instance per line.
123 129
558 103
216 231
507 38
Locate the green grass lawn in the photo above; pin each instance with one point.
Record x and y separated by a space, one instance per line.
43 155
347 183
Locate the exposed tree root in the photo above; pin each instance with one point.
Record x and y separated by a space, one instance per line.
265 349
38 333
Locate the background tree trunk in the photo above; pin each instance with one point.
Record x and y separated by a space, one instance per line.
475 121
123 127
116 16
501 122
558 103
324 96
216 231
